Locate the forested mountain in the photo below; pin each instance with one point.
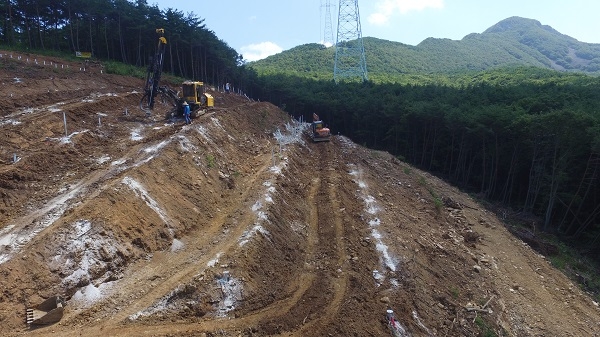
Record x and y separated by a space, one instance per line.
512 42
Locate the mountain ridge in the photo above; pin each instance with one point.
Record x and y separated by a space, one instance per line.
514 41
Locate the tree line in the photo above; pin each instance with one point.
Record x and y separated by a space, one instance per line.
524 137
123 31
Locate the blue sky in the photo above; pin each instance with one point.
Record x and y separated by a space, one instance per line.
259 28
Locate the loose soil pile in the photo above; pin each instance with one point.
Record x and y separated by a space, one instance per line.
238 225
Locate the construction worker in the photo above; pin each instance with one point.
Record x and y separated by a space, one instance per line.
186 112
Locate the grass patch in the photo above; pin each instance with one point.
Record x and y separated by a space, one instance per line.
454 292
581 269
486 330
68 56
375 154
263 118
210 161
437 201
123 69
111 67
575 261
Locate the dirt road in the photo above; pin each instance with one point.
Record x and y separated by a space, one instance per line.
238 225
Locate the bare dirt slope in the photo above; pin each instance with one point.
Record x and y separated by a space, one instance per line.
237 225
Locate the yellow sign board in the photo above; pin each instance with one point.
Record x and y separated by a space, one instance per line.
83 54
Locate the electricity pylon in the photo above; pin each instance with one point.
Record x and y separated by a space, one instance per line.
328 34
350 58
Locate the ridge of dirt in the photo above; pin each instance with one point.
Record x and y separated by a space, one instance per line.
238 225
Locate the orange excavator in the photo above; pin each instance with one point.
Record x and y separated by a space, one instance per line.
320 133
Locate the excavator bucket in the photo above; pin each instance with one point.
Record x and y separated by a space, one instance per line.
48 312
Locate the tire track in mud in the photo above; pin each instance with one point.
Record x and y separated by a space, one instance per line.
314 297
320 290
179 268
173 269
330 231
283 309
25 230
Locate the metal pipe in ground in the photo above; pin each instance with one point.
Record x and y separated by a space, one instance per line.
65 120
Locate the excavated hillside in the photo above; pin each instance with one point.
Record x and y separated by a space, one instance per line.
238 225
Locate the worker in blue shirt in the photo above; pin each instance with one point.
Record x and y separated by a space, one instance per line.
186 112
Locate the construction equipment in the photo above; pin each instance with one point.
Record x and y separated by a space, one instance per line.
319 132
151 88
192 92
48 312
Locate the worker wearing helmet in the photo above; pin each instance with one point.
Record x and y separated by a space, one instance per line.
186 112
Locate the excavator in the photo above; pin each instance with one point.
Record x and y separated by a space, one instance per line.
319 132
193 92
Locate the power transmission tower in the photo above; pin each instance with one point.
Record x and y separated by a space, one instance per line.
350 58
328 34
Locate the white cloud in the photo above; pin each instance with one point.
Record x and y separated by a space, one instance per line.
326 44
259 51
386 8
